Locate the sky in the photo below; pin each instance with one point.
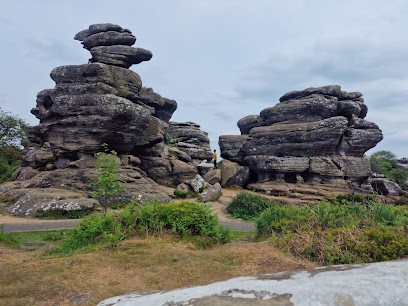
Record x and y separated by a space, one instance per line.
222 60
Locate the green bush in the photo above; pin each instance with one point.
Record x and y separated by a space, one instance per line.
248 206
182 219
360 231
180 194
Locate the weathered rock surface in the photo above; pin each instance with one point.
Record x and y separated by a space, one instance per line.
211 193
386 187
204 167
313 135
382 283
188 137
197 182
31 201
233 174
213 176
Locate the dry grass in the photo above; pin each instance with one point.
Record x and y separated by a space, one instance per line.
31 277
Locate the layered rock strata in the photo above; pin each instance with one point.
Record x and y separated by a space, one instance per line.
98 103
314 135
188 137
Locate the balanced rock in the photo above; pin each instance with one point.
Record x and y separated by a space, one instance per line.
313 135
111 44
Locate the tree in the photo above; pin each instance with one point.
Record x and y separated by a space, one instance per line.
12 129
106 185
383 161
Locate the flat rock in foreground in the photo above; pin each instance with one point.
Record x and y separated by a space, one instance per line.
382 283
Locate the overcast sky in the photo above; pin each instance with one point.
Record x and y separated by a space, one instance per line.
222 60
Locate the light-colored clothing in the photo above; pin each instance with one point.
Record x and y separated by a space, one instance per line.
215 156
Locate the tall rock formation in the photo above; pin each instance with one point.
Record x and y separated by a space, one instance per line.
96 103
314 135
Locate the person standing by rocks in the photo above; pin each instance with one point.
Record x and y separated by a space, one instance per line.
215 159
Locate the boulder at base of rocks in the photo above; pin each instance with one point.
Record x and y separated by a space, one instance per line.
197 182
204 167
211 193
213 176
233 174
183 187
386 187
32 201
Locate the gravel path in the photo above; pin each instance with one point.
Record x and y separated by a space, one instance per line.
47 225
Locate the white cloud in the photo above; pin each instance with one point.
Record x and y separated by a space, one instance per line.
223 60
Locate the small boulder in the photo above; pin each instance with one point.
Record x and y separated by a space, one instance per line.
211 193
386 187
233 174
183 187
197 182
213 176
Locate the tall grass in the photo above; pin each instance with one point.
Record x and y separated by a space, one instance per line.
341 231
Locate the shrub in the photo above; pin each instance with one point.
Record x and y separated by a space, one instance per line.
91 230
248 206
182 219
180 194
334 234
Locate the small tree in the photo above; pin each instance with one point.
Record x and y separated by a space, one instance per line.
106 185
12 129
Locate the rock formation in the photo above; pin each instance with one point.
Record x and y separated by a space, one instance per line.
189 138
104 102
315 135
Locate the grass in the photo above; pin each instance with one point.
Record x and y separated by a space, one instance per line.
139 264
345 230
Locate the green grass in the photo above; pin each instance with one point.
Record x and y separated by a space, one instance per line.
345 230
18 239
7 240
40 236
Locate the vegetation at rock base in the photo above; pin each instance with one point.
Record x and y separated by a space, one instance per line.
183 219
384 162
106 185
180 194
345 230
248 206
